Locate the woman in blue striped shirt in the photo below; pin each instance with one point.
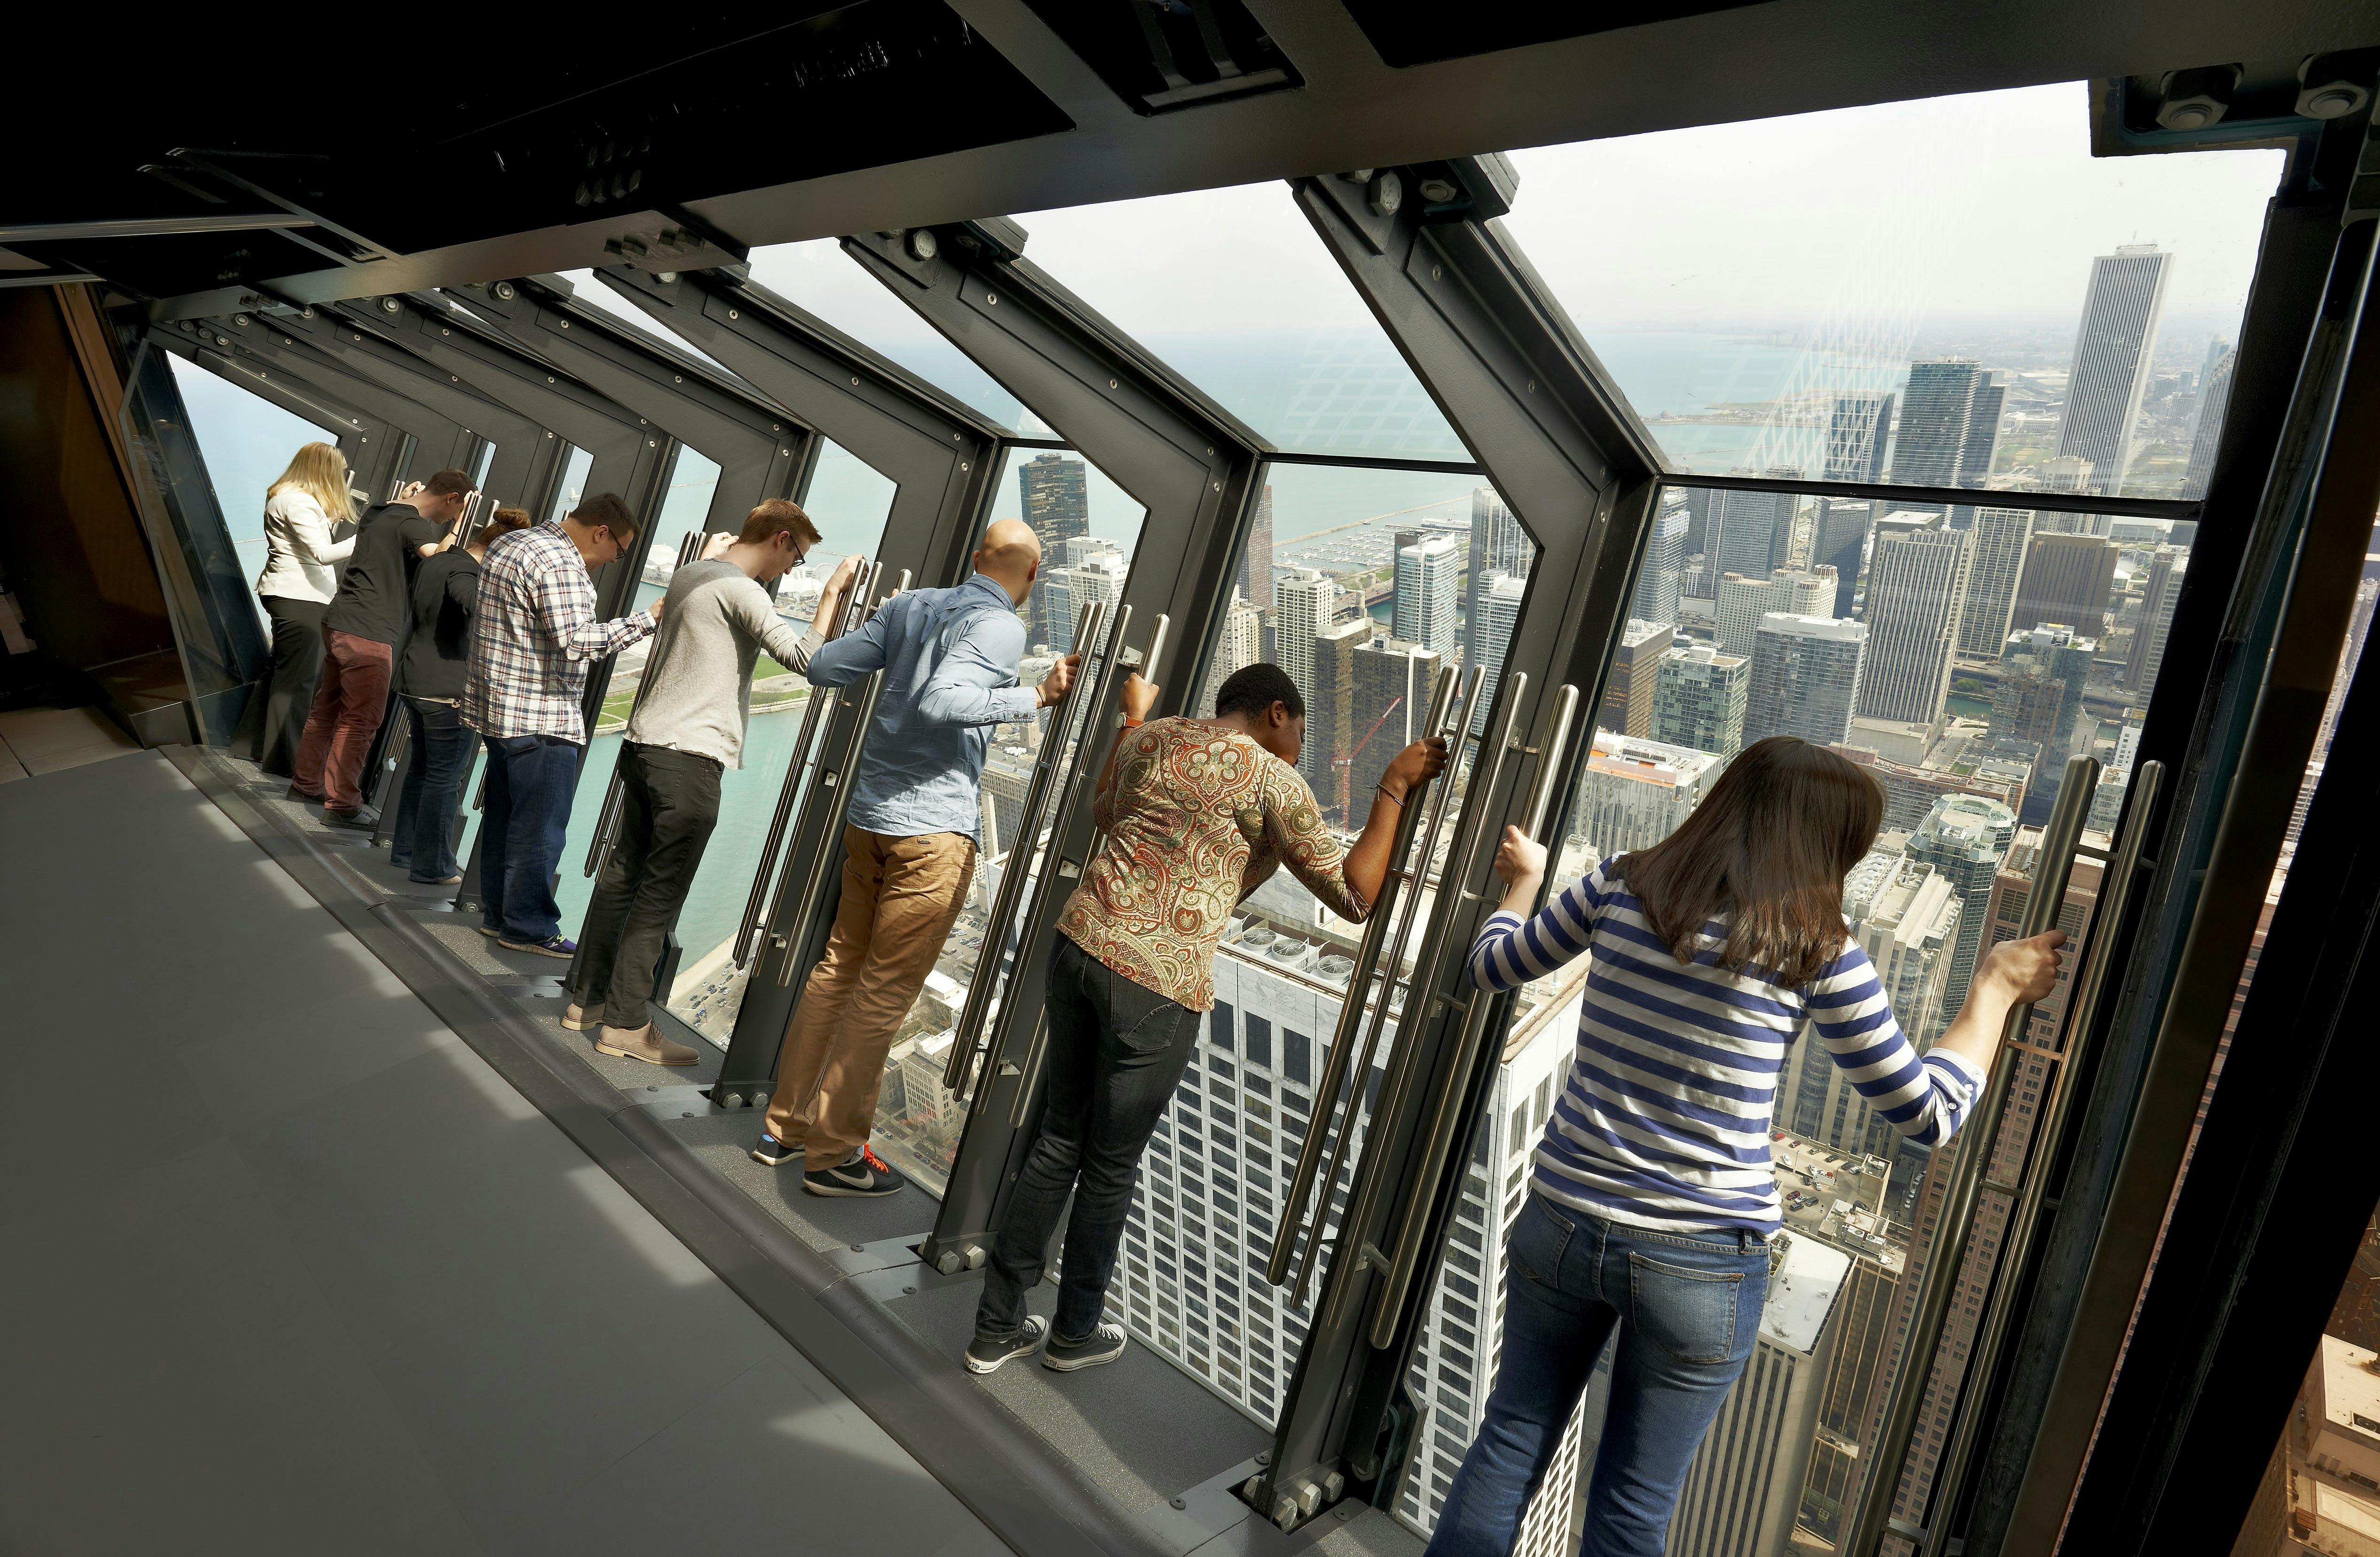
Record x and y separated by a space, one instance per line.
1653 1196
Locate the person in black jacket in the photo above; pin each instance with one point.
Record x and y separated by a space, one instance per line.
445 594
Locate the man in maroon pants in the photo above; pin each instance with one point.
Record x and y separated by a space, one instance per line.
361 632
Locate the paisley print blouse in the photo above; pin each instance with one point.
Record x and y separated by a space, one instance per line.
1197 818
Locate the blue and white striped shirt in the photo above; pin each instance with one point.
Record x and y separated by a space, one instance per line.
1664 1121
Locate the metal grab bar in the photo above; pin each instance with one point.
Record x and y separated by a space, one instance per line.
1873 1518
838 803
994 946
607 821
1037 1053
2025 1218
1487 767
863 580
1437 1147
1355 1009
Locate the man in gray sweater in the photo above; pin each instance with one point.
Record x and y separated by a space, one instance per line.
687 729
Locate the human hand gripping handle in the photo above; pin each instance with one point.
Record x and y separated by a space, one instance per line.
1058 681
829 605
2015 973
1138 697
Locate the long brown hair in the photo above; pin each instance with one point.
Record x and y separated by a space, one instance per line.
1772 843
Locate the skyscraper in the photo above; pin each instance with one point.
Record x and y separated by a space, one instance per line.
2057 651
1840 541
1806 678
1983 440
2214 399
1393 682
1635 793
1097 577
2112 350
1917 587
1665 559
1937 416
1330 727
2067 578
1423 611
2001 536
2159 597
1499 545
1857 436
1635 670
1500 610
1755 528
1237 647
1056 503
2024 705
1745 1487
1696 503
1254 579
1742 601
1306 601
1965 837
1698 700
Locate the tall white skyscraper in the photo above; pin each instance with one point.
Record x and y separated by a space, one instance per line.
1304 601
1499 545
1635 791
1238 646
2000 537
1745 1483
1500 611
1099 575
1424 610
1916 589
1665 559
2111 361
1742 601
1806 678
2159 595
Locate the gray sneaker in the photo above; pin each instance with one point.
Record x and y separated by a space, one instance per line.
985 1356
1103 1344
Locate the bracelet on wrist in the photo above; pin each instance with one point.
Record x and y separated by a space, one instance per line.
1397 800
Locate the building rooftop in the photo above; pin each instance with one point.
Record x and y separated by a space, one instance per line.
2350 1392
1802 1282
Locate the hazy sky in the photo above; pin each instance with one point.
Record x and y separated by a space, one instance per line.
1989 205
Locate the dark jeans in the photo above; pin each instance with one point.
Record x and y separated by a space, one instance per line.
1116 1054
1687 1308
668 803
531 780
296 660
424 838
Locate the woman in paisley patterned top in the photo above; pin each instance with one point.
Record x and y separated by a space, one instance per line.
1197 814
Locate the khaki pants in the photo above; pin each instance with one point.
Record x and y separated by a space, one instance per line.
900 898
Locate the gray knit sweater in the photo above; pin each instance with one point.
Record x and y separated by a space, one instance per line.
715 620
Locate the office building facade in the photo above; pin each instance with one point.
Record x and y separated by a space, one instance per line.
2001 536
1698 699
1499 545
1660 576
2067 578
1806 678
1255 580
1634 793
1916 590
1857 436
2168 567
1307 599
2110 372
1425 593
1742 600
1054 498
1330 727
1499 608
1838 536
1393 683
2214 400
1937 416
1755 529
1965 837
1628 690
1239 645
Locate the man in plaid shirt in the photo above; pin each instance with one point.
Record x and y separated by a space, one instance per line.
531 642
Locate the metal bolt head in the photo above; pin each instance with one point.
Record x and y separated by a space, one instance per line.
2327 91
307 312
388 305
1180 1502
860 1249
1111 383
923 245
1437 191
991 298
506 291
1309 1497
667 277
949 1263
240 319
1332 1485
549 378
1284 1511
1264 1456
563 322
1385 194
730 313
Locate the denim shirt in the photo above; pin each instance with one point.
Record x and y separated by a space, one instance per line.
949 659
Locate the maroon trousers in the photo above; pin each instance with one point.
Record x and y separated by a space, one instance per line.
350 697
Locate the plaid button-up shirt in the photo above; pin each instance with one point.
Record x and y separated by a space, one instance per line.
533 637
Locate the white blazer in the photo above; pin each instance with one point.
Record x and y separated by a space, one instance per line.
299 555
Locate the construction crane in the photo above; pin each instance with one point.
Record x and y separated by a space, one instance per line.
1345 766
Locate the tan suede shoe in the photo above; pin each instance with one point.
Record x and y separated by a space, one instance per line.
644 1043
578 1018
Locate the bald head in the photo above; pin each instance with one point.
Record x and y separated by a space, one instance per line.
1010 554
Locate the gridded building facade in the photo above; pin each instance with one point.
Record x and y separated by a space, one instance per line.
1917 586
1628 690
1744 600
1423 611
2000 536
1806 678
1698 699
2112 348
1055 498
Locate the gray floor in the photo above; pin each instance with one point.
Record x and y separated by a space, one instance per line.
332 1284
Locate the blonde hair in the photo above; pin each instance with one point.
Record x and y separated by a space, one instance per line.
320 472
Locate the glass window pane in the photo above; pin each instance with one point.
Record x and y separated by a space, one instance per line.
1952 292
1088 529
821 278
1234 289
246 441
572 486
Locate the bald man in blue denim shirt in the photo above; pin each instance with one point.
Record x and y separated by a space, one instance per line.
949 659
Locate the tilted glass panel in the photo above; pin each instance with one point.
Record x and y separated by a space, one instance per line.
1234 290
246 443
822 279
1961 668
1190 1279
571 487
1947 293
1088 529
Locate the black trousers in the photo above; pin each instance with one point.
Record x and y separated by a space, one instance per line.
668 803
1116 1056
297 661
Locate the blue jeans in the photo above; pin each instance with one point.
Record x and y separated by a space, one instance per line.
424 836
531 780
1687 1308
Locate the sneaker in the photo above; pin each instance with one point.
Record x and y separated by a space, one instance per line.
493 932
578 1018
985 1356
643 1043
294 792
775 1152
1103 1344
363 819
552 946
867 1174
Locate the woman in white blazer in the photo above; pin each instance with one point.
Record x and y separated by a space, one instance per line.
300 575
